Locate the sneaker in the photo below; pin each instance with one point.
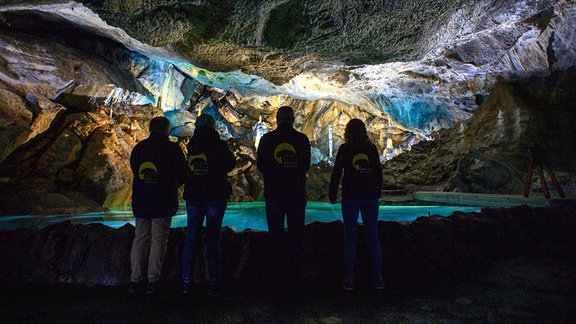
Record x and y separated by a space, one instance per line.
215 290
153 288
348 285
136 287
186 287
378 284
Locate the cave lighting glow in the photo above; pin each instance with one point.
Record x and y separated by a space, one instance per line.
239 215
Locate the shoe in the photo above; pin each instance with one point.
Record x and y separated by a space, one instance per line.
215 290
153 288
378 284
136 287
348 285
186 287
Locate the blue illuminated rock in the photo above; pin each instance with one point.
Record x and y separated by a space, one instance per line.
410 70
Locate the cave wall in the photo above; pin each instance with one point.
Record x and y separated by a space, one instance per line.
490 152
76 95
73 107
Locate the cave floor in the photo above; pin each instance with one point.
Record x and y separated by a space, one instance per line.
521 290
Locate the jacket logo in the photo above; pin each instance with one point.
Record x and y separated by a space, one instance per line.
198 164
285 155
361 163
148 173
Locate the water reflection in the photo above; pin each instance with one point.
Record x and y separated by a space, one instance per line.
239 216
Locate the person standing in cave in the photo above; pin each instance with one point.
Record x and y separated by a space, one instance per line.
159 169
283 157
206 192
361 188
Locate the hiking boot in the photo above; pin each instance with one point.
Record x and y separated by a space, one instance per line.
348 285
378 284
136 287
153 288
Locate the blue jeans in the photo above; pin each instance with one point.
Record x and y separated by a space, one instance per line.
369 210
286 255
213 210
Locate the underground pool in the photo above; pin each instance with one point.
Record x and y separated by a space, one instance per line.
239 216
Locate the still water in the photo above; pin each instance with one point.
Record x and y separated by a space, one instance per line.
239 216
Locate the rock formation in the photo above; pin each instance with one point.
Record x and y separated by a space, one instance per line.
414 253
489 153
80 80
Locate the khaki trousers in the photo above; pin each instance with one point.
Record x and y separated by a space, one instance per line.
149 248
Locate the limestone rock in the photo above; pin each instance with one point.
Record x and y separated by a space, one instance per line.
438 65
16 119
47 112
490 151
105 164
318 182
181 123
426 250
481 175
247 182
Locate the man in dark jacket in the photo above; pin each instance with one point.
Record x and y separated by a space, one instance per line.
159 168
206 193
284 158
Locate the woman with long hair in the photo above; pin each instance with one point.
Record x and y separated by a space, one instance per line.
359 160
206 193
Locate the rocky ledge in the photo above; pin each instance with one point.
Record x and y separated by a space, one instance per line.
425 250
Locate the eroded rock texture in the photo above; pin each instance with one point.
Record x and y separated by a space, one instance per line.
419 252
79 82
490 152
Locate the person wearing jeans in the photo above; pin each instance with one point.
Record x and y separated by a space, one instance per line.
368 208
213 211
206 193
359 160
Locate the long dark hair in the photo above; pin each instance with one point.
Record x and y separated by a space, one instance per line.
356 135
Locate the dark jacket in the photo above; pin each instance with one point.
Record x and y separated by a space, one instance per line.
362 173
159 168
284 158
209 161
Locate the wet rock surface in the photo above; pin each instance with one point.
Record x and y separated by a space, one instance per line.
427 249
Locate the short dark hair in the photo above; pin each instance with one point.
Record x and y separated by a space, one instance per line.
285 114
356 134
160 125
205 120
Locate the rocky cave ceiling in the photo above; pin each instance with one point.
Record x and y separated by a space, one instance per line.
412 67
79 82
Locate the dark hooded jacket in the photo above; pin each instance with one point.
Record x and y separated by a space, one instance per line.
284 158
362 173
209 161
159 168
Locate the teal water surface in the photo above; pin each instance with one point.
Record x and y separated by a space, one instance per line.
239 215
